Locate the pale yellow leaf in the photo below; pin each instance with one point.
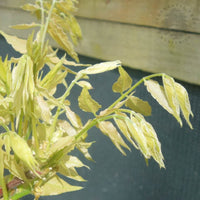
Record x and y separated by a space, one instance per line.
73 117
138 136
157 92
17 43
124 129
153 143
85 84
22 150
25 26
169 87
101 67
138 105
123 83
109 130
184 102
70 173
86 103
55 186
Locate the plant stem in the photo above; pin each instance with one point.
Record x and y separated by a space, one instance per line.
94 122
47 22
65 95
34 132
133 88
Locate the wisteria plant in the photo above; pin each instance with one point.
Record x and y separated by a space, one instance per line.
36 144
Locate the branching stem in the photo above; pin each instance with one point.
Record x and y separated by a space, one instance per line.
133 88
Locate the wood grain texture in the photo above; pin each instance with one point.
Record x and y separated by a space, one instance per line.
148 49
171 14
138 44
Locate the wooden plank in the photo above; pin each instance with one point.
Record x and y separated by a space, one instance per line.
172 14
147 49
144 48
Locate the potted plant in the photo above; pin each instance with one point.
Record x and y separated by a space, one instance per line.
36 144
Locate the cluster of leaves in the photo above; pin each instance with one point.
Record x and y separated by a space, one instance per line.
36 144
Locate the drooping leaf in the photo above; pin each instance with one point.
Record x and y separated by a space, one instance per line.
73 161
109 130
101 67
184 102
17 43
42 110
169 87
123 83
73 117
138 136
138 105
124 129
56 186
153 143
67 127
58 34
158 94
70 172
83 148
86 103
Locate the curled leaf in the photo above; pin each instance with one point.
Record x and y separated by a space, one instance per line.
158 94
109 130
184 102
169 87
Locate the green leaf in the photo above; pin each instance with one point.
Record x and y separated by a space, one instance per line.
158 93
17 43
184 102
109 130
56 186
101 67
86 103
138 105
169 87
123 83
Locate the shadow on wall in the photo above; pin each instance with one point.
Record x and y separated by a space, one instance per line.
114 176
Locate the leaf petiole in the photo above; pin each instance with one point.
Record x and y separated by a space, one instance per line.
125 95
